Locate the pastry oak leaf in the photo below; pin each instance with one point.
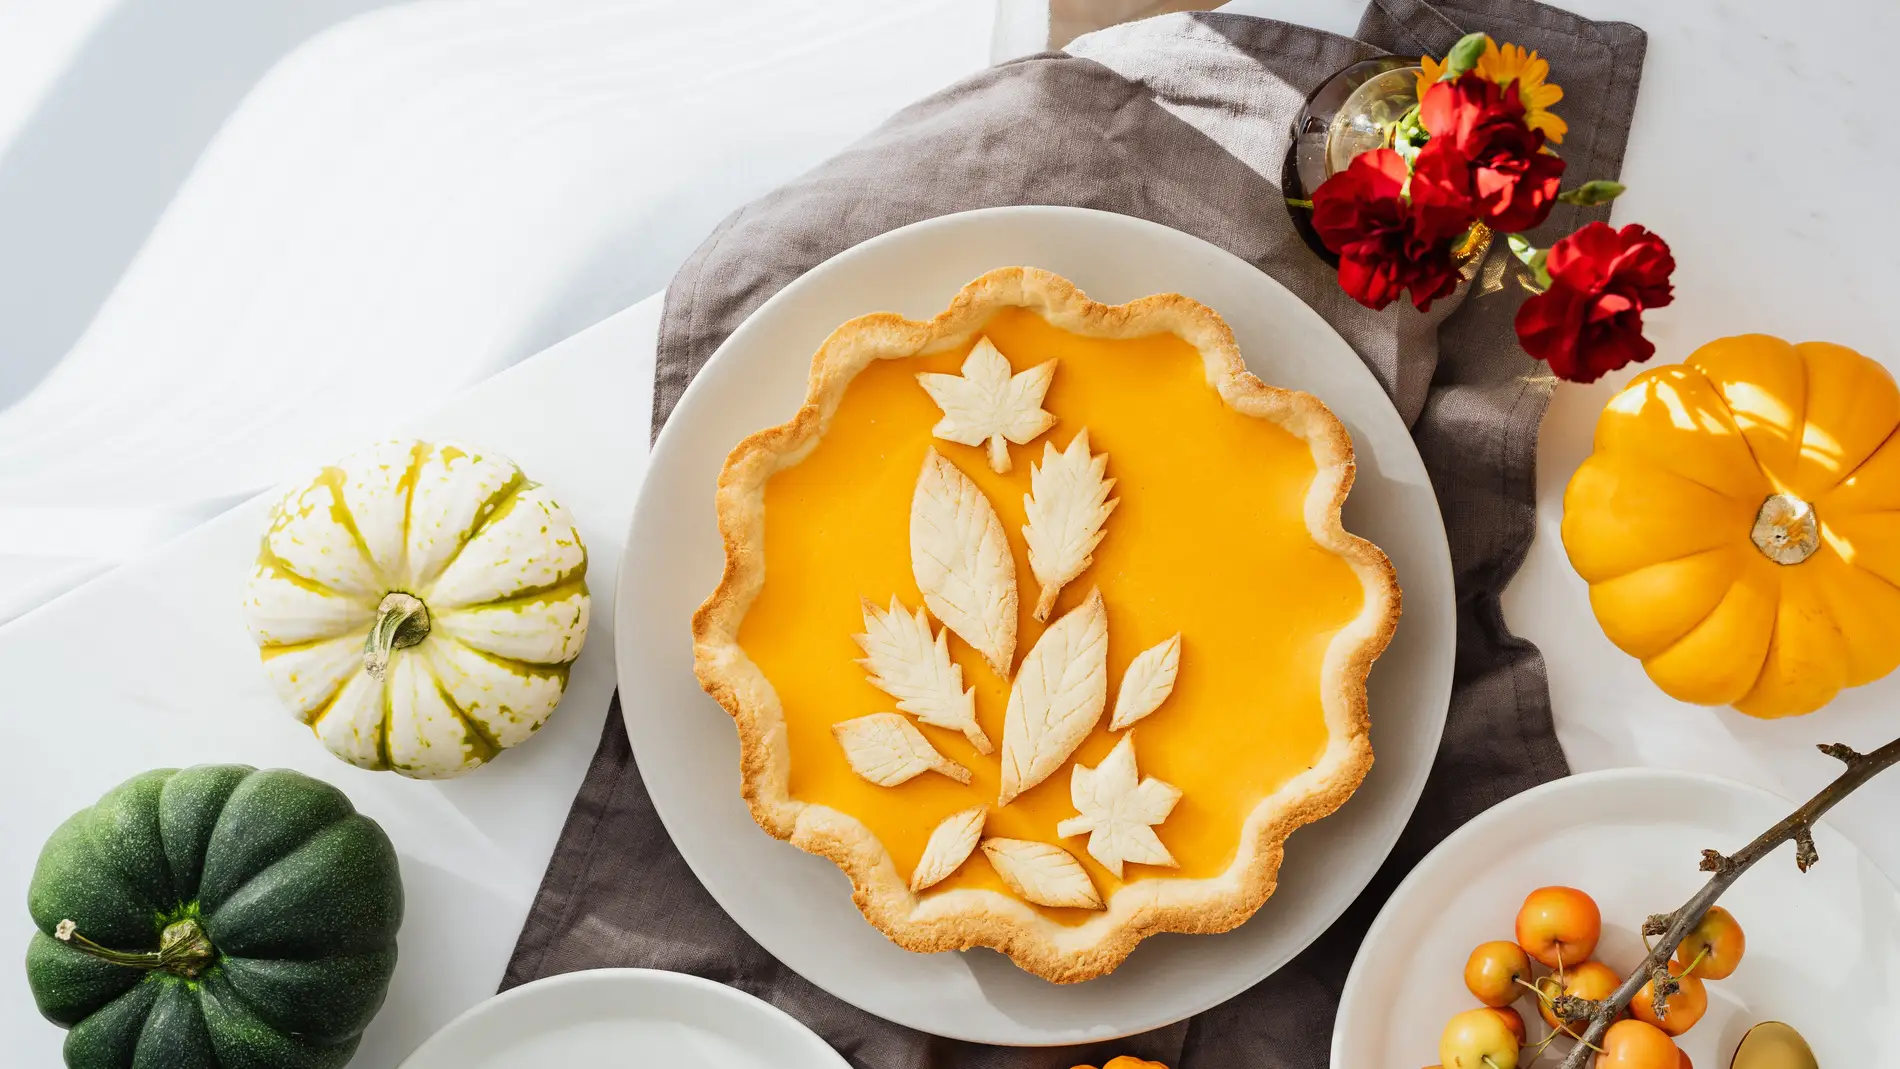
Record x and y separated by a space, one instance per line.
950 844
1118 810
960 557
1147 683
1040 873
887 750
909 663
1057 698
1067 504
987 403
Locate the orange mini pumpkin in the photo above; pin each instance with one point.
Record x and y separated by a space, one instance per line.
1739 524
1125 1062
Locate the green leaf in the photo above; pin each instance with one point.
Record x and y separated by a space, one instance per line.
1463 56
1532 258
1408 137
1590 194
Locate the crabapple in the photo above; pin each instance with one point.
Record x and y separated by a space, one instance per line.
1512 1020
1590 979
1632 1044
1478 1039
1493 970
1559 926
1686 1006
1717 940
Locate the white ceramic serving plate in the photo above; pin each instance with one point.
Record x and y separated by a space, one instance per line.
608 1017
799 906
1823 947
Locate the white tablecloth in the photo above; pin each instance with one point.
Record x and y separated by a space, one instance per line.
405 205
149 666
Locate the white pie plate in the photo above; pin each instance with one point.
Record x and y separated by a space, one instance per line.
608 1017
1823 947
799 906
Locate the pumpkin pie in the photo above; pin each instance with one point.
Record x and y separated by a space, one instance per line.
1038 619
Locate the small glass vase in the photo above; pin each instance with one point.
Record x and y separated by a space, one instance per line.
1351 113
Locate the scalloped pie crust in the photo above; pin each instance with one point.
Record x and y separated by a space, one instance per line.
1227 534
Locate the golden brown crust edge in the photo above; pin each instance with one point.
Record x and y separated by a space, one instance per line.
963 918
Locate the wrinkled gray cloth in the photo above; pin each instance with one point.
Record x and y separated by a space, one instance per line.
1182 119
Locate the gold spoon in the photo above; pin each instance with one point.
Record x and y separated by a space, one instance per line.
1773 1045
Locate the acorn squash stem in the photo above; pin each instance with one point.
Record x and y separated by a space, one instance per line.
183 948
401 620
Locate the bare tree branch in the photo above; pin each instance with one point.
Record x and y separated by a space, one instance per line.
1673 928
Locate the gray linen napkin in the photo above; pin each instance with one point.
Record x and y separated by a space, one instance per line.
1184 120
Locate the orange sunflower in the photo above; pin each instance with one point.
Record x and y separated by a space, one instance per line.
1504 64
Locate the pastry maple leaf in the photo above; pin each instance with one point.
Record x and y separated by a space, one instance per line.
987 403
1067 505
1118 810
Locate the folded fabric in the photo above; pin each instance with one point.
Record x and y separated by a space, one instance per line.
1184 120
405 205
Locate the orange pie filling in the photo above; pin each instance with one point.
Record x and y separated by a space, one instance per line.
1209 541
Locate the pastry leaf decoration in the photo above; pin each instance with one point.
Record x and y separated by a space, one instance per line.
1040 873
1118 810
950 844
909 663
1067 504
1147 683
887 750
960 558
962 562
987 403
1057 698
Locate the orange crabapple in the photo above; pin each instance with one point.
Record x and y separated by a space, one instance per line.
1633 1044
1559 926
1494 970
1714 946
1686 1006
1588 979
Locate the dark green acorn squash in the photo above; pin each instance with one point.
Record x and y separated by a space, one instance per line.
216 917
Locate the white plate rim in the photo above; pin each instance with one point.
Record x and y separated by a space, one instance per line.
1347 1020
1438 691
634 979
515 998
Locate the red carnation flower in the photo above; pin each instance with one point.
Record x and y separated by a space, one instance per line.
1387 241
1513 183
1591 319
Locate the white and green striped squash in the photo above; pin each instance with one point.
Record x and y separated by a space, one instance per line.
418 606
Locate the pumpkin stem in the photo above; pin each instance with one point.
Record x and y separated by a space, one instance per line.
183 948
1785 529
402 620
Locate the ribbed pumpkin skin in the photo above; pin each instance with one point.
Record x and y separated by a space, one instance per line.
1658 519
300 895
494 558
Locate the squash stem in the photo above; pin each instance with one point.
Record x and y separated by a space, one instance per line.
183 948
402 620
1785 529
